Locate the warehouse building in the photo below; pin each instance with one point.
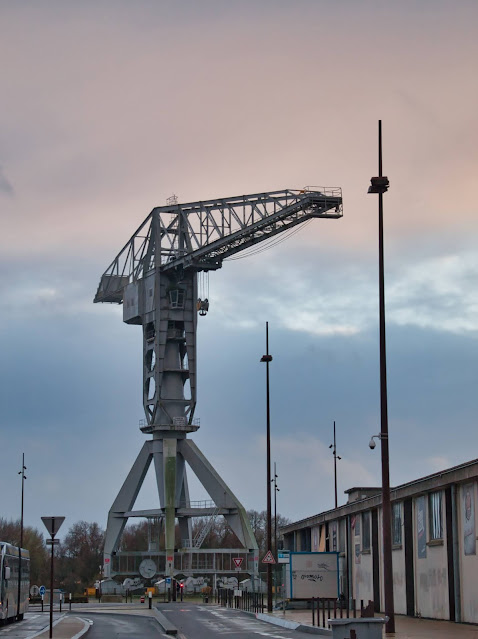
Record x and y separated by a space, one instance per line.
435 565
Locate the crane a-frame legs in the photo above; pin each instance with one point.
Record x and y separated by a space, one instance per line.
170 456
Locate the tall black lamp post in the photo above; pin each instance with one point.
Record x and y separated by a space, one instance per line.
276 551
22 473
334 451
380 186
267 359
276 490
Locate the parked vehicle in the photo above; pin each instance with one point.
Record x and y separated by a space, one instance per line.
14 592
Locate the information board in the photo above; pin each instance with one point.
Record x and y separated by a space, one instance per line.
314 574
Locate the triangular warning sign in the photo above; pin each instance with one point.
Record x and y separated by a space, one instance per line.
269 558
237 561
53 524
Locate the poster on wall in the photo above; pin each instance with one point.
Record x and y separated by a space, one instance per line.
357 553
314 574
357 525
334 536
421 528
468 510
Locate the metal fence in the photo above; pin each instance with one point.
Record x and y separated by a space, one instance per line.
249 601
325 609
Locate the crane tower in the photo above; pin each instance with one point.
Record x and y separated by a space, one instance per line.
155 278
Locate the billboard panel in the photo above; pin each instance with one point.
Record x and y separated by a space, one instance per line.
314 574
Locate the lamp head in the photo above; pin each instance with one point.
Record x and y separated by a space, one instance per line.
378 184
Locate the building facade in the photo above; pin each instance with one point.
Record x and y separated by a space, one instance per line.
434 551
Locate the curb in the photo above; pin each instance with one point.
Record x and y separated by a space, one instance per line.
165 624
87 625
315 630
293 625
277 621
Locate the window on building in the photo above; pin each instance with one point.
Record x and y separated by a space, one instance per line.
435 515
366 531
176 298
397 524
342 535
357 525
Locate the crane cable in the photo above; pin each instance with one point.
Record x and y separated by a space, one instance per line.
268 244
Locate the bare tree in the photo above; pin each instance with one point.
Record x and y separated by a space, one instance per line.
80 556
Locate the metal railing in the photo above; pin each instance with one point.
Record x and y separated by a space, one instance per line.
205 503
325 609
248 601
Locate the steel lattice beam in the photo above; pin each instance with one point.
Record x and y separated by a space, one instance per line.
200 235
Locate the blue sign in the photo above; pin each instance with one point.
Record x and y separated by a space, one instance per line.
168 580
42 590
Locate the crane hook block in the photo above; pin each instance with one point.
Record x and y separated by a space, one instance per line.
202 306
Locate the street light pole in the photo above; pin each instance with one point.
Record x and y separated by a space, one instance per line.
276 490
334 447
267 359
22 473
380 185
276 552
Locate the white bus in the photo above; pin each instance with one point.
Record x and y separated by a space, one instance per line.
13 600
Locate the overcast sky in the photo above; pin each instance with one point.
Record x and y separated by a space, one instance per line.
109 108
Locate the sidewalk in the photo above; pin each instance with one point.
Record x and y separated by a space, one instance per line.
405 627
66 628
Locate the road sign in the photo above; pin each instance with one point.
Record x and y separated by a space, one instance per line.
53 524
269 558
34 591
52 542
168 580
237 562
42 590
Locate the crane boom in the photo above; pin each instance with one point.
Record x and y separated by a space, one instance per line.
200 235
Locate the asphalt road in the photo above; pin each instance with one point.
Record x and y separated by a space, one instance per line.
210 622
111 626
34 622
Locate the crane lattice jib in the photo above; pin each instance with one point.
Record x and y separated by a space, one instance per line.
200 235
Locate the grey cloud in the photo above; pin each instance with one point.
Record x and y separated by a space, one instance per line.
5 186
